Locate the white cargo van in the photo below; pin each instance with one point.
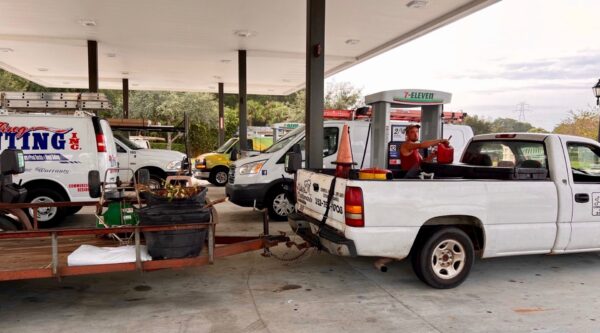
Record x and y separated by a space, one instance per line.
260 181
59 151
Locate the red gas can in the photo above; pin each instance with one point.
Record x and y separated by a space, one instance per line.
445 154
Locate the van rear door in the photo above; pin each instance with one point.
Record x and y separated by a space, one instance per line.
107 151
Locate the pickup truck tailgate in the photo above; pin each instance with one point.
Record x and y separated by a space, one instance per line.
312 191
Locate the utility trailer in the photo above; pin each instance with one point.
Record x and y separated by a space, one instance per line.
35 254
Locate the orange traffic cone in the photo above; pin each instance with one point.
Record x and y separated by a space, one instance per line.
344 157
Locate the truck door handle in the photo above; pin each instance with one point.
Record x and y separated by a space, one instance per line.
582 197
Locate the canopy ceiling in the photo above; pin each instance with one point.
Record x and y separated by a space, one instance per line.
190 45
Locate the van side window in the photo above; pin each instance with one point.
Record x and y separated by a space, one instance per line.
330 140
330 143
507 154
585 162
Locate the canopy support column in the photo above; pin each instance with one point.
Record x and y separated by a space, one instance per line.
125 98
243 132
315 85
92 48
221 115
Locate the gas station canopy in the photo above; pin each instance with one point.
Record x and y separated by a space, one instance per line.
191 45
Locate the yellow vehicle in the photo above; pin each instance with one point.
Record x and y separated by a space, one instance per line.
214 166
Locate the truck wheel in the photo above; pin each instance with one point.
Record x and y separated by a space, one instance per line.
445 258
219 176
156 182
47 216
6 224
280 205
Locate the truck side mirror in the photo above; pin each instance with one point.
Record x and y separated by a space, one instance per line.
293 159
185 163
233 155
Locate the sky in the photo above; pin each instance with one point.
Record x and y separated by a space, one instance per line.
545 53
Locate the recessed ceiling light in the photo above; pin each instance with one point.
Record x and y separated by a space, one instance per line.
87 23
211 87
216 77
352 41
271 90
286 80
43 69
244 33
6 49
66 82
225 61
417 3
111 55
125 73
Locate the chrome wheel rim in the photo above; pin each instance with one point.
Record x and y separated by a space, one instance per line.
44 213
221 177
448 259
154 184
282 206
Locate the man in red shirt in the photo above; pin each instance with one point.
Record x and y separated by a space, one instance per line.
410 158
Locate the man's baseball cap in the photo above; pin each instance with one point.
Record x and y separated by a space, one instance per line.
409 127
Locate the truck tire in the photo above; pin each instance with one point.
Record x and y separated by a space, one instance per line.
6 224
219 176
50 216
279 204
444 259
156 181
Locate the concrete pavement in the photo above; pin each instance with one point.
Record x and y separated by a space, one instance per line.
318 293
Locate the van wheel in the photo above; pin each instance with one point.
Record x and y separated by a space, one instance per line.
73 210
6 224
280 205
219 176
47 216
445 258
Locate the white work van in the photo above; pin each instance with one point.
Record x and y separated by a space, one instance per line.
260 181
513 194
59 151
160 163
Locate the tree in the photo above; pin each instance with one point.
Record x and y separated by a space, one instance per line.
509 125
264 114
343 96
479 125
297 105
582 122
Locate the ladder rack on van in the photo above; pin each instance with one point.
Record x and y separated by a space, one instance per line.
53 102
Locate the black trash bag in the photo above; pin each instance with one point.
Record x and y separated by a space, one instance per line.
174 243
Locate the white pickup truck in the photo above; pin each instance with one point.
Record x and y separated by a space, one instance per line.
512 194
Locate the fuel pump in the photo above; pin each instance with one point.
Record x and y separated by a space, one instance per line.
387 139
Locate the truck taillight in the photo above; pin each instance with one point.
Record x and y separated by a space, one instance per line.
354 207
100 144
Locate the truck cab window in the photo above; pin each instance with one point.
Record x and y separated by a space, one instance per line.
585 162
120 149
507 154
